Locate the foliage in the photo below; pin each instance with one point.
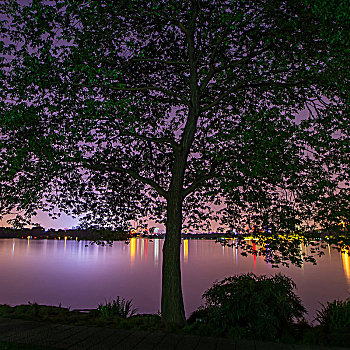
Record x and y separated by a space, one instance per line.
123 110
248 306
87 317
34 311
119 307
247 148
198 323
335 314
334 319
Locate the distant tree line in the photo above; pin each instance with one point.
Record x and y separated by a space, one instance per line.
85 234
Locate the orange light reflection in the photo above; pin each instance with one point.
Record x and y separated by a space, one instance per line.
132 250
185 242
346 265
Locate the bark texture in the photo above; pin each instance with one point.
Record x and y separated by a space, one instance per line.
172 301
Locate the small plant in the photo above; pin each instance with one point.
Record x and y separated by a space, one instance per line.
334 319
34 309
119 307
248 306
334 315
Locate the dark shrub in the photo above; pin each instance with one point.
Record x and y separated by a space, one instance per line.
200 315
334 319
248 306
119 307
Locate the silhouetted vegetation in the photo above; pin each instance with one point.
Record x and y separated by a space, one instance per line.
93 317
118 307
239 307
248 306
90 234
114 110
334 319
266 308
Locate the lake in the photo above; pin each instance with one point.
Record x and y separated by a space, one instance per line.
66 271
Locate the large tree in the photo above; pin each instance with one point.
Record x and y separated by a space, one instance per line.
126 109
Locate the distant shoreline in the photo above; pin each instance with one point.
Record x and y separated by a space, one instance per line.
73 234
94 235
162 236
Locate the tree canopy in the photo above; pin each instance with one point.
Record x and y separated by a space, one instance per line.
168 110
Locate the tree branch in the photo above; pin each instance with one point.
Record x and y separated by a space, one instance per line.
244 59
235 64
144 180
141 88
182 27
160 140
196 183
160 61
219 42
98 167
237 88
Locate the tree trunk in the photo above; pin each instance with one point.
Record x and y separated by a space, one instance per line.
172 306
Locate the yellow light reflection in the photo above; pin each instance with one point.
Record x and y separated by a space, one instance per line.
346 265
142 247
156 250
185 242
132 250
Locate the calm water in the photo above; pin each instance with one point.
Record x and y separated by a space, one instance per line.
67 272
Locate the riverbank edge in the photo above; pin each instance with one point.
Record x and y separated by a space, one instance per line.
138 323
210 236
42 335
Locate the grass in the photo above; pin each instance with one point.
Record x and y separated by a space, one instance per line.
119 307
127 319
120 314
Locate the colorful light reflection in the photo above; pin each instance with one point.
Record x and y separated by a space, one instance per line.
346 265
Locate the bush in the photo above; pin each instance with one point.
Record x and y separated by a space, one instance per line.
334 319
248 306
119 307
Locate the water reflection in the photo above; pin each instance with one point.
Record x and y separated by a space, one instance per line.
254 256
346 266
132 250
185 245
156 251
146 247
81 275
142 248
